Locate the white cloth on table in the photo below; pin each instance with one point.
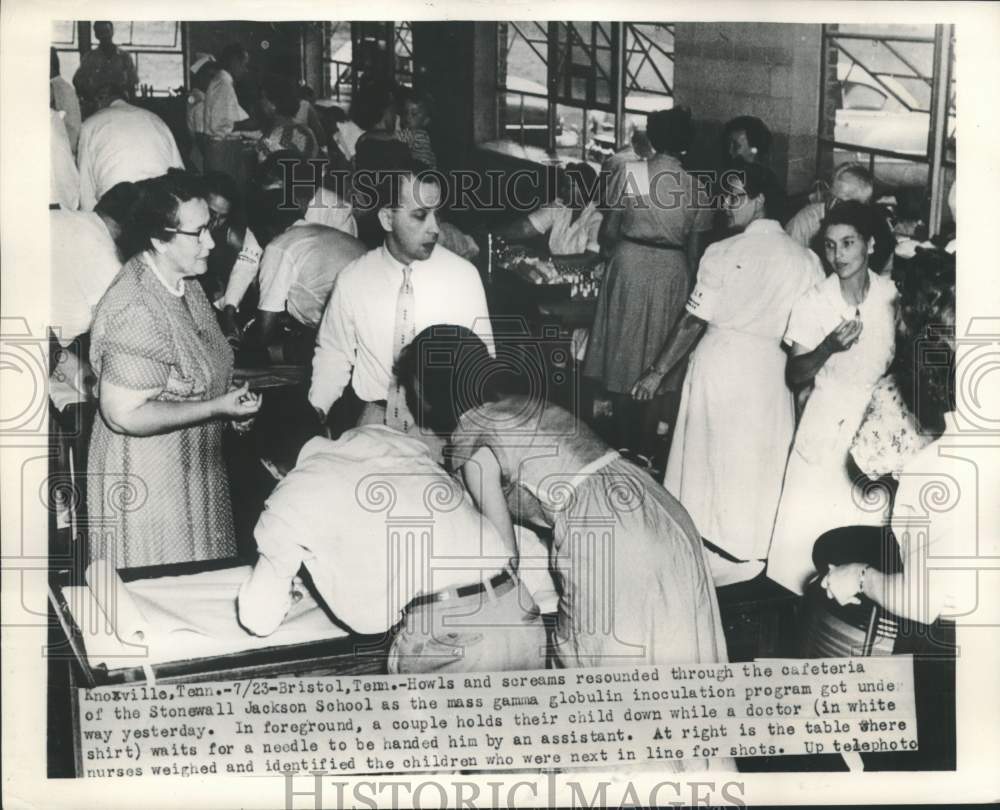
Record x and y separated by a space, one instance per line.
737 417
222 108
820 493
123 143
946 520
300 267
327 208
187 617
357 328
65 100
83 263
340 512
566 236
244 271
64 179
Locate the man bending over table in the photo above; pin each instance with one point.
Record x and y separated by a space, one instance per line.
392 544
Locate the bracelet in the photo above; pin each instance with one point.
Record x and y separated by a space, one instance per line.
861 580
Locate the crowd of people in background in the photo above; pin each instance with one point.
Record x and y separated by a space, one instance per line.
753 347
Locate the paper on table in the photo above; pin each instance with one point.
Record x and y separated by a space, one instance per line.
183 617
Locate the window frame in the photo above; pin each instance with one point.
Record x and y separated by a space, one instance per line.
624 42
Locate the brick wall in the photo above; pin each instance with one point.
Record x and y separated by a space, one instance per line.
770 70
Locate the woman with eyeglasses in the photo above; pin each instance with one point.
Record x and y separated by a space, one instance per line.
158 490
841 336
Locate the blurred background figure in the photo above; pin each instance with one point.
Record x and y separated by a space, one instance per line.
106 64
62 97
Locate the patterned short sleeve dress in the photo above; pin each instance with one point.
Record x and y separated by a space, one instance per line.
159 499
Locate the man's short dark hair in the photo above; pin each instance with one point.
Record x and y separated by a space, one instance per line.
232 52
758 135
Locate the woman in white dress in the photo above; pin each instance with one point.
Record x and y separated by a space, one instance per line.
841 335
737 416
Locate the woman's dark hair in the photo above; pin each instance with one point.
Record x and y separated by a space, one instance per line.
670 131
53 63
282 93
758 135
860 216
758 179
223 185
155 211
870 220
370 103
456 374
924 364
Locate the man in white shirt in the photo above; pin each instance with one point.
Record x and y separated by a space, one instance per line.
64 179
223 114
386 558
299 269
122 143
850 182
84 260
360 322
62 97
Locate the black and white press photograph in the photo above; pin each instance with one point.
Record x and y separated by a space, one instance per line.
439 403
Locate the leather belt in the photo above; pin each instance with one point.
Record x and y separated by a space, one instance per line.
497 584
651 244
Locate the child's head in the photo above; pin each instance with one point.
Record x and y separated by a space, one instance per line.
415 112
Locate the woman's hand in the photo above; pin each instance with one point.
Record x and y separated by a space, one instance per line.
647 385
843 583
238 403
843 337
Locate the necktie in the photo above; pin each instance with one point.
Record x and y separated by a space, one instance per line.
396 413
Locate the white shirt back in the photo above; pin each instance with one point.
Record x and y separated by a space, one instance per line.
123 143
83 264
376 522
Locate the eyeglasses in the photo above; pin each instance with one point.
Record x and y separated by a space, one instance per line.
201 232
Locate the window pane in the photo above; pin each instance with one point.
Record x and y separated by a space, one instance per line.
64 33
164 72
527 55
525 120
570 132
69 61
156 35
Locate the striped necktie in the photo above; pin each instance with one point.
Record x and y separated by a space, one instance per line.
397 415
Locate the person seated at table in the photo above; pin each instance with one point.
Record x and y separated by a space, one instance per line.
414 121
375 110
571 221
279 105
329 515
307 116
297 272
